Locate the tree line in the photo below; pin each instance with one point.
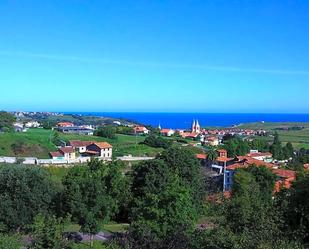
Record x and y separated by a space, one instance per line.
164 200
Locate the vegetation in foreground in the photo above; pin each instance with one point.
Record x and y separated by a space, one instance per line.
162 200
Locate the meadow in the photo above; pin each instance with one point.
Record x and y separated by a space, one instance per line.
296 133
38 143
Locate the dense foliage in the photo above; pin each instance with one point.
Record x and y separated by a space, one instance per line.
281 152
107 131
24 192
6 121
163 200
157 142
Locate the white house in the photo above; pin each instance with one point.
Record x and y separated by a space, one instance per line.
19 127
167 132
32 124
100 149
266 157
80 146
140 130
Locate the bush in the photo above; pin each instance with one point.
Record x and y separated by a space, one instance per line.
157 142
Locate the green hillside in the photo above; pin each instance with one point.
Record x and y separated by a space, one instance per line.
296 133
37 142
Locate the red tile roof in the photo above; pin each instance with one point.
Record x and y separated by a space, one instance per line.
65 124
165 130
189 134
68 149
224 159
103 145
245 161
56 154
140 129
222 151
285 173
258 154
201 156
78 143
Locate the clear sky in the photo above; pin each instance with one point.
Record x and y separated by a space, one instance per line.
159 55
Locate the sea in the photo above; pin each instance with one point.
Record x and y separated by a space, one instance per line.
184 120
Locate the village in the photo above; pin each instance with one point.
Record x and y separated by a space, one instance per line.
221 168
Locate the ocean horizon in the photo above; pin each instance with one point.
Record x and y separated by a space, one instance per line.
184 120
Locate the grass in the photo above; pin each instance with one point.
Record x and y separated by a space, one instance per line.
37 143
57 173
115 227
84 245
299 138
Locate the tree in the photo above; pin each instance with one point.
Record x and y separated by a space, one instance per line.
161 204
297 209
236 147
250 212
56 139
6 121
183 162
157 142
276 148
106 132
91 194
288 151
212 154
9 242
47 232
259 144
25 191
266 179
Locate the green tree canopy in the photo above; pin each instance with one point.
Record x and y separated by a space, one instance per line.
25 191
6 121
183 161
47 232
106 131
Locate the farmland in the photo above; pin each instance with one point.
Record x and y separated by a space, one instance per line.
38 143
296 133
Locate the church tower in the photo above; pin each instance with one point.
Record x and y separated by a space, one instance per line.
193 126
197 127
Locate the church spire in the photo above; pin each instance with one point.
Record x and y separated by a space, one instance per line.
193 126
197 127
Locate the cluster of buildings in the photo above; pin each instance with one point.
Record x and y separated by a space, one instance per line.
77 148
209 137
23 127
22 114
70 128
226 167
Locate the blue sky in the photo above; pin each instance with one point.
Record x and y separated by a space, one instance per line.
160 55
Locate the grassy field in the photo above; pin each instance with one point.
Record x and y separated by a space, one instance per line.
299 138
37 142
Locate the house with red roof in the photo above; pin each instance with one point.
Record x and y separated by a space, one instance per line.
212 140
241 162
285 178
167 132
63 153
192 135
100 149
65 124
80 146
262 156
140 130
